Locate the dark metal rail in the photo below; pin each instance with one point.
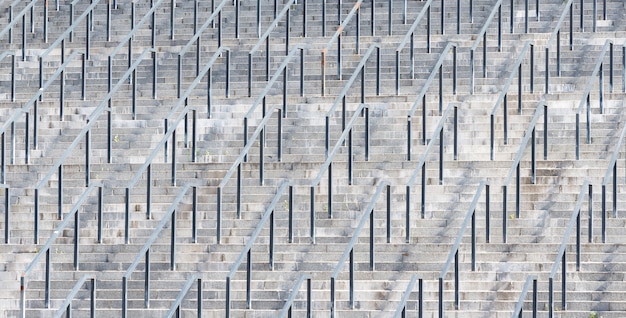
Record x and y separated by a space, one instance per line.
288 307
66 307
421 97
421 166
169 216
175 309
611 175
401 311
518 311
328 164
73 215
246 253
470 216
574 220
503 98
529 135
349 251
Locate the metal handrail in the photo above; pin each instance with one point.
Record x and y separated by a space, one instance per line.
175 308
574 220
196 38
85 132
282 69
529 135
13 21
287 308
349 250
611 171
12 54
421 97
170 215
7 211
586 100
470 216
410 35
517 312
266 37
237 165
503 97
421 166
247 250
341 98
46 248
401 311
25 110
337 37
327 166
482 36
66 307
170 131
61 39
556 36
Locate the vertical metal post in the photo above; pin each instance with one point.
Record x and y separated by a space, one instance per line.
60 192
146 290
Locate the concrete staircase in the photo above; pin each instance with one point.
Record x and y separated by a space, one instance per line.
501 270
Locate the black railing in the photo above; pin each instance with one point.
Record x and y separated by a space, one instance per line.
168 217
197 39
328 164
586 99
503 98
529 135
288 307
560 257
57 168
470 216
266 37
238 163
13 20
12 55
74 216
410 37
349 251
260 100
421 166
7 212
421 97
66 307
401 311
611 175
519 307
175 309
482 37
341 98
356 9
246 253
556 37
61 41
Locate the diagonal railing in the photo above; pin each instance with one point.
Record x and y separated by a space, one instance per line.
349 251
482 37
421 166
529 136
401 311
13 20
328 164
169 216
341 98
175 309
519 307
287 310
611 176
246 252
598 70
421 97
585 191
44 251
66 307
57 168
503 97
285 13
409 36
470 219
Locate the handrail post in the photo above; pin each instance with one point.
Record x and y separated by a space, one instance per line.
248 276
504 216
312 214
457 300
407 214
590 204
173 242
146 290
7 213
351 284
